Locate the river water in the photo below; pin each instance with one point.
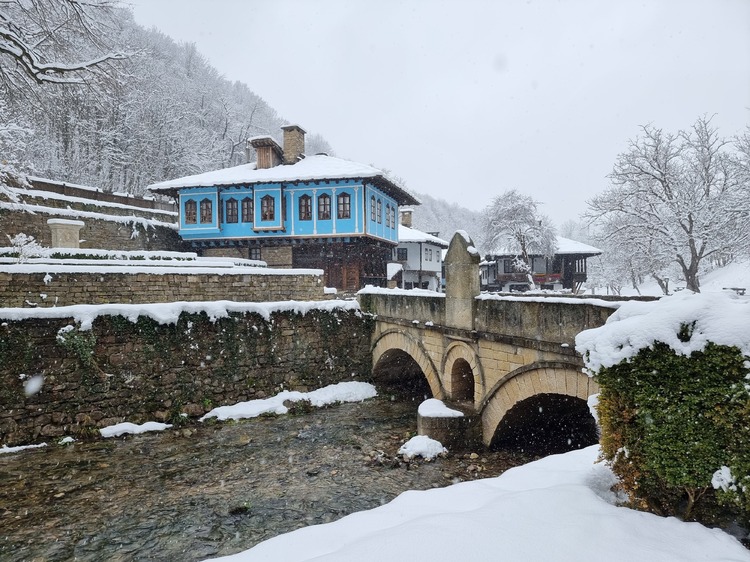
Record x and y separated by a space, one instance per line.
207 490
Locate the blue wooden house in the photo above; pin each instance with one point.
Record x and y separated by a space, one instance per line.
292 210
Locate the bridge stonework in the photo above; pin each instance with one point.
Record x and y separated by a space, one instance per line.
511 348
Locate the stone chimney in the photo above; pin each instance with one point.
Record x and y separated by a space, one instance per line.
267 152
294 143
406 216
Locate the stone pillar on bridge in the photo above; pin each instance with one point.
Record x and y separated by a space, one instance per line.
461 281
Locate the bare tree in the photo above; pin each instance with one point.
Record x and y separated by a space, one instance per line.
675 199
54 41
513 224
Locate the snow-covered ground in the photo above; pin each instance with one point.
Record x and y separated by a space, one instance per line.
559 508
733 275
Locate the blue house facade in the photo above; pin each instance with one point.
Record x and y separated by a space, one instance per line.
294 211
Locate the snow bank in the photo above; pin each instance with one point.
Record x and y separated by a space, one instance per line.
434 408
559 508
169 312
721 318
127 427
351 391
422 446
6 449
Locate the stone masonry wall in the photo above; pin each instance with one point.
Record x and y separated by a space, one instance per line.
98 233
18 290
113 228
145 371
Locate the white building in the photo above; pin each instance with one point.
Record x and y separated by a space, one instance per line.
418 259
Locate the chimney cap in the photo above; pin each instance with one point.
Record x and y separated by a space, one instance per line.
293 127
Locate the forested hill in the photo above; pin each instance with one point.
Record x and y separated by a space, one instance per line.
437 215
162 113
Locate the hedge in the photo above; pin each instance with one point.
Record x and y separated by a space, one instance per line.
676 430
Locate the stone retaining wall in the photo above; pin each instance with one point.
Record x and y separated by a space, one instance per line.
61 289
145 371
121 223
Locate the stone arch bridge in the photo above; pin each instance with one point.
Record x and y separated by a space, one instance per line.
486 354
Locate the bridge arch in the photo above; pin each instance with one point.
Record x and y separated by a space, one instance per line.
463 376
395 340
540 379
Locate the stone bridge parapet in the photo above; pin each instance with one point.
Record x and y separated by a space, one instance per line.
486 353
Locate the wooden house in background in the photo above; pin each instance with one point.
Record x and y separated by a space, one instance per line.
566 270
292 210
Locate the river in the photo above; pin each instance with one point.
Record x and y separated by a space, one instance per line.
206 490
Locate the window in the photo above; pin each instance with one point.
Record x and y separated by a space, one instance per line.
345 206
206 211
305 208
402 254
380 211
231 215
388 215
324 207
393 217
426 254
267 208
191 212
254 253
372 208
248 209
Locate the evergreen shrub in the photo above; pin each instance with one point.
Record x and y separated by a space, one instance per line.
676 430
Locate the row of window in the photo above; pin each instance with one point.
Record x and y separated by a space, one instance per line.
267 209
376 213
344 204
402 254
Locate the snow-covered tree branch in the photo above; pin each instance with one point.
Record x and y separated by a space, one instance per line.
676 200
57 41
513 224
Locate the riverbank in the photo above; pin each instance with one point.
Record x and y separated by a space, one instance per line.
219 488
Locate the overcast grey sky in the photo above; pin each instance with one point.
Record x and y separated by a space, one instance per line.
464 99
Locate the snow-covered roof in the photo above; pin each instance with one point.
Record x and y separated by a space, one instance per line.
406 234
564 246
312 168
393 269
568 246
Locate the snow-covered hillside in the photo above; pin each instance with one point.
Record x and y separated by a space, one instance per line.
734 275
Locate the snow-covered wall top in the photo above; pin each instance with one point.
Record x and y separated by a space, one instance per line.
79 214
169 313
721 318
41 194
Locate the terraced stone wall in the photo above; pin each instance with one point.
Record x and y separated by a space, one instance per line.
23 290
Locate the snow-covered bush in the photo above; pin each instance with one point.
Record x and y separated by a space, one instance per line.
674 406
25 247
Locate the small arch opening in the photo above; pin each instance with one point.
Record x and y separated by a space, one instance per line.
462 381
397 374
546 424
